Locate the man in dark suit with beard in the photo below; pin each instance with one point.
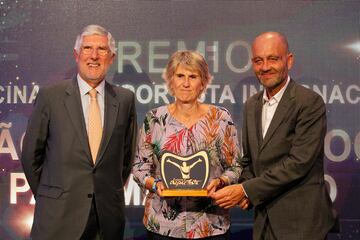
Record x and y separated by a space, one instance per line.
78 149
283 134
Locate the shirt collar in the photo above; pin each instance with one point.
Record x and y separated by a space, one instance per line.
277 97
85 88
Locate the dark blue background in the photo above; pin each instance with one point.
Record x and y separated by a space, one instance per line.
36 48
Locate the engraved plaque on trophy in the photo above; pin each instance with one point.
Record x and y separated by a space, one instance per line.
185 176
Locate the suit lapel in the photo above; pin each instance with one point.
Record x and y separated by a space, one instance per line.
258 126
280 113
110 115
73 105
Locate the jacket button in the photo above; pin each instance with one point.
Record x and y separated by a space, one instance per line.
90 195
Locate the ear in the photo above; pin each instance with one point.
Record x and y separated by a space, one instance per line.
290 60
76 56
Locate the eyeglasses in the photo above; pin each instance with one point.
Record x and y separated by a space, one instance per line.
87 50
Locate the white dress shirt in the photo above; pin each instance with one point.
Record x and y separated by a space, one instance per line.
269 107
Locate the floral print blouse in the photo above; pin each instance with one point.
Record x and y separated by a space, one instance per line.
186 217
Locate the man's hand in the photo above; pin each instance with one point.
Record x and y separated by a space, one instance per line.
244 203
230 196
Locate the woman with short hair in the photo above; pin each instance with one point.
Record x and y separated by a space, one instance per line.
184 128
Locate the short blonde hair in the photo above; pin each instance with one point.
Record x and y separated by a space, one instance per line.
191 59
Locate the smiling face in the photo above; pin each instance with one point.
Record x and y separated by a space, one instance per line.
94 59
271 61
186 84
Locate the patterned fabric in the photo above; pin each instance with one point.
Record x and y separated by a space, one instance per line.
186 217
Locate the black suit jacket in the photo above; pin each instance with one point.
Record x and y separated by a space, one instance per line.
58 165
283 173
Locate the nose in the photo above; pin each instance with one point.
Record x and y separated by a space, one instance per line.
94 54
186 82
265 66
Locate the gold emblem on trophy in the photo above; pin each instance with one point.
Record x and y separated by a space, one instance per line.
185 176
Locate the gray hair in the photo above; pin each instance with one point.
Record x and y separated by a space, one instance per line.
95 30
191 59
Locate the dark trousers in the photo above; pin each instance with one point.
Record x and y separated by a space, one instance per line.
155 236
92 229
267 233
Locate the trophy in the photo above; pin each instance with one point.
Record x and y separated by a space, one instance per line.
185 176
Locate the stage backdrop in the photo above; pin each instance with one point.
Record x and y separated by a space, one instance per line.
36 48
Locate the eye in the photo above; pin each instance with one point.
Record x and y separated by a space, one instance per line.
86 49
179 75
103 50
257 60
274 58
193 76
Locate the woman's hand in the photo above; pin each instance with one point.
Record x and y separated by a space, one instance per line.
149 182
211 188
159 186
214 185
